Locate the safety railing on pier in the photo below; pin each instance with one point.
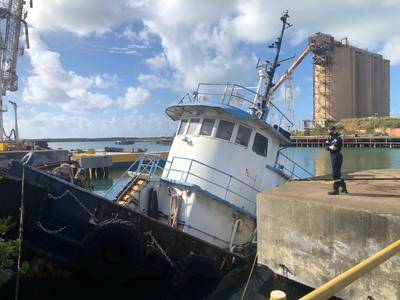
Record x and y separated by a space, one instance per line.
223 185
348 141
290 168
242 98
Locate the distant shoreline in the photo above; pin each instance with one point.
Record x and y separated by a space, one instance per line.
106 139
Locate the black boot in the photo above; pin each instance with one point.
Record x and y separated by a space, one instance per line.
343 187
335 190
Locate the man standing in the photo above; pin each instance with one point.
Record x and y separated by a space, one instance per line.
334 144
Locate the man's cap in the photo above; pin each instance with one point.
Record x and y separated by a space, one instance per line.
332 127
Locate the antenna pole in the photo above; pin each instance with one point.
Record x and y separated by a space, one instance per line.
272 68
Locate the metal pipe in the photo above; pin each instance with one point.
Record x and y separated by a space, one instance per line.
16 131
234 230
262 74
291 69
338 283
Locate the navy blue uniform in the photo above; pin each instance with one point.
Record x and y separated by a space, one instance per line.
334 144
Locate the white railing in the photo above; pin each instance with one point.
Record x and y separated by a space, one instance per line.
219 183
242 98
290 168
146 165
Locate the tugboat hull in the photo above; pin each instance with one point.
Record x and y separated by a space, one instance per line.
78 229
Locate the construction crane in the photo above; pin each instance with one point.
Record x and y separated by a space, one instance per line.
12 16
291 69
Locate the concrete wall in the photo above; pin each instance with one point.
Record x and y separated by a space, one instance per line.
354 84
315 239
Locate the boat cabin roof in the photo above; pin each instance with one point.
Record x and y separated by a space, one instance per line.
236 102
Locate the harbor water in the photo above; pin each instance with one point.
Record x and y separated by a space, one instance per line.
314 160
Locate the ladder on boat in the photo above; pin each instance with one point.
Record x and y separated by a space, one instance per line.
139 173
131 193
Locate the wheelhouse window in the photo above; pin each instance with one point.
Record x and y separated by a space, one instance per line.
193 126
260 145
207 126
182 127
225 130
243 136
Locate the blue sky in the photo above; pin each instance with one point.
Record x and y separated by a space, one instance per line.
101 68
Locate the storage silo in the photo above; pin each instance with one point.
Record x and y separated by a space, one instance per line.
349 82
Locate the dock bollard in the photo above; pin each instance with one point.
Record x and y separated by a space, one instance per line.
277 295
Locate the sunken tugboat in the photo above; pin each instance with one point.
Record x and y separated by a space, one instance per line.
195 213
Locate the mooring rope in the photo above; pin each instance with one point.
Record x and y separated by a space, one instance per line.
76 199
49 231
21 232
160 248
248 279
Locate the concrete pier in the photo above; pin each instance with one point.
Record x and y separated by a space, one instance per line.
310 237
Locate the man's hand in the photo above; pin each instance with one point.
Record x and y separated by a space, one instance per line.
332 147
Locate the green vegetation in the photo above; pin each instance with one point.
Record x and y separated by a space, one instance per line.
8 250
359 126
8 253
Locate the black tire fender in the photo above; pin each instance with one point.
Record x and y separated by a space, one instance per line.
114 252
190 266
152 207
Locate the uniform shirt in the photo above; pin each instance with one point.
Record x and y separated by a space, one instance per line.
334 140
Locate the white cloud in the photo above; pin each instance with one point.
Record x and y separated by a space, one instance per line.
73 125
129 33
152 81
50 83
392 49
203 40
81 17
104 80
141 38
130 49
134 97
158 62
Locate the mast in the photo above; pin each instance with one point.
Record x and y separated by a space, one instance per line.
271 68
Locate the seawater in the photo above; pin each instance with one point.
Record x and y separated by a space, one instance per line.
314 160
317 160
102 145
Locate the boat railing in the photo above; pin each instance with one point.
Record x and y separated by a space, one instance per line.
223 185
147 165
290 168
240 97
